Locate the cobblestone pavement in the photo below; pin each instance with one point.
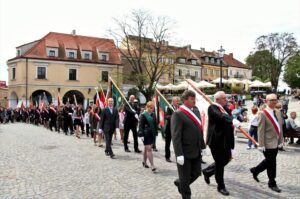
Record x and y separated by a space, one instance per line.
38 163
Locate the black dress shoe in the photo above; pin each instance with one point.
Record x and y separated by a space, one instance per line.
206 178
127 150
275 188
176 182
112 156
254 175
138 151
202 162
224 192
168 160
106 153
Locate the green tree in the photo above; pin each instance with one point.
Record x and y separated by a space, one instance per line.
280 47
292 72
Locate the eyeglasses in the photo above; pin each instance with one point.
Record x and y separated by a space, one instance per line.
272 100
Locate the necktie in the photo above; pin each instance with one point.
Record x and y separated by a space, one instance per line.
275 115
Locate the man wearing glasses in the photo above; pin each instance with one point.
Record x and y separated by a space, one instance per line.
269 137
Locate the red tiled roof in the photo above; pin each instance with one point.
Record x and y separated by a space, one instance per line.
231 61
68 41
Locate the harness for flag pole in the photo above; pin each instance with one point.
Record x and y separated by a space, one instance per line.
210 102
122 95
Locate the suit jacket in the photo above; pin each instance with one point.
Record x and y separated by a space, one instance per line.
168 115
187 137
129 114
267 136
109 121
220 130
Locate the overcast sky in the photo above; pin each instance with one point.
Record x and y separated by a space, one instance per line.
235 24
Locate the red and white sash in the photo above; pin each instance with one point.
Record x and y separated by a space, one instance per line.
191 115
273 120
53 109
221 108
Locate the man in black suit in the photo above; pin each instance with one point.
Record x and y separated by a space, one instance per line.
167 132
130 123
220 139
188 142
109 123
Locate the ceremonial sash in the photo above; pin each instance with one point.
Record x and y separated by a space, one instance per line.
274 122
191 115
222 110
97 116
53 109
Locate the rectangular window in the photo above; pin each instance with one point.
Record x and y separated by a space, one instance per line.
41 72
205 71
72 74
104 76
13 73
211 72
71 55
217 72
194 62
230 72
86 56
212 60
103 57
182 60
196 73
51 53
206 59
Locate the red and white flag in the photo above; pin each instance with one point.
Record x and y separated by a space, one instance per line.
202 104
99 102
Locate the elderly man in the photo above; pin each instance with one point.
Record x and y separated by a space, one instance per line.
269 138
291 124
109 123
220 139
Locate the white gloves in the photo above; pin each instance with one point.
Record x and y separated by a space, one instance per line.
136 116
117 129
263 148
180 160
236 123
100 131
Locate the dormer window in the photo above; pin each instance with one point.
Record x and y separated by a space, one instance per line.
206 59
71 55
51 53
212 60
103 56
86 56
194 62
19 52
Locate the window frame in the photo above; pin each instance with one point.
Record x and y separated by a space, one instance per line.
76 76
37 72
13 73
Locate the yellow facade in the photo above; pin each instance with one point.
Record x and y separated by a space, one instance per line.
211 72
3 97
57 78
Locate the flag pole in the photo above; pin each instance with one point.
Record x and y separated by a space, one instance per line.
164 99
210 102
75 100
121 93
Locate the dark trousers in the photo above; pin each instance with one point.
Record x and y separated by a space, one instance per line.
68 123
53 124
87 129
167 144
188 173
268 163
221 157
127 128
108 137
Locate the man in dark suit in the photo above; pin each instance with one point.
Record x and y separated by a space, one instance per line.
167 133
187 137
109 123
130 123
220 139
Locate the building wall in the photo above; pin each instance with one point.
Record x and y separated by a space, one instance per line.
57 78
3 97
241 73
210 72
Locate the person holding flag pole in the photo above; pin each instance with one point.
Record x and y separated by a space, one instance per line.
131 117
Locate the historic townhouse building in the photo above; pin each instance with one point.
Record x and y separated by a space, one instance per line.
237 69
65 65
3 94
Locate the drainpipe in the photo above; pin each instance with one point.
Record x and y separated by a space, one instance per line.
26 92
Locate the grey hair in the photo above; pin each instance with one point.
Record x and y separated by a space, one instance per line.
175 98
218 94
188 93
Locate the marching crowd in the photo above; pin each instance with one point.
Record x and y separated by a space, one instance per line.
183 126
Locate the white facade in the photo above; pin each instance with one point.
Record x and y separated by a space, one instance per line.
241 73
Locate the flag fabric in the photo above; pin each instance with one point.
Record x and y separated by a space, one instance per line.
161 106
102 97
58 100
45 99
99 103
116 95
31 102
202 104
22 105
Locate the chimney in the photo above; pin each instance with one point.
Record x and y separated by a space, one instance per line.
74 32
202 49
189 47
231 55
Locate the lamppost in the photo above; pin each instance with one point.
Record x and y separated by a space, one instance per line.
221 53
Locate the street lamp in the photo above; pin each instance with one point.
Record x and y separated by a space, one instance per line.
221 53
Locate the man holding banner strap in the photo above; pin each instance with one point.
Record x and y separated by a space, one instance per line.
269 137
220 139
188 142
